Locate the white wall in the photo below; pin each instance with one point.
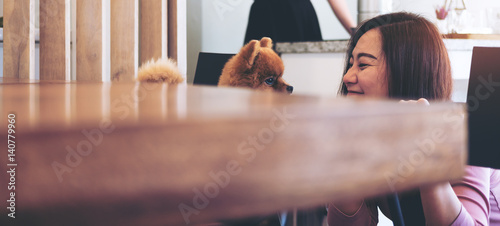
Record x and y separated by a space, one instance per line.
426 7
314 73
331 28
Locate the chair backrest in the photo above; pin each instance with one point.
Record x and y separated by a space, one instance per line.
209 68
483 102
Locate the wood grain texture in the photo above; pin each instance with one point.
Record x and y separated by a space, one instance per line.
89 40
472 36
19 39
55 40
133 153
124 33
152 34
172 29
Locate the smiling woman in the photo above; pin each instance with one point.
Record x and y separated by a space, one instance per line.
406 51
402 56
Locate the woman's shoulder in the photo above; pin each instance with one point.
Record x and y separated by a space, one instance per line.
495 179
481 174
495 196
478 171
475 179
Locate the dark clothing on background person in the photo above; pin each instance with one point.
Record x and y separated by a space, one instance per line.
308 217
283 21
411 208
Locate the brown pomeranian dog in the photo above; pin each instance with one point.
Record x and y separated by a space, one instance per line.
256 66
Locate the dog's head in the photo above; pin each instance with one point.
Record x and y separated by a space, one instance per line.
256 66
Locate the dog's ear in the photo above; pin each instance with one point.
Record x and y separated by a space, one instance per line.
266 42
250 51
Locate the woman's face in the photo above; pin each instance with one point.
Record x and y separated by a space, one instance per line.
367 76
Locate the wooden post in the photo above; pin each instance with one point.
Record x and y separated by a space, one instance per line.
177 34
55 40
124 39
153 30
172 29
19 39
89 39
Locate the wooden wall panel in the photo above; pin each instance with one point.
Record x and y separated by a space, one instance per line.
124 39
89 40
55 39
19 39
153 29
172 29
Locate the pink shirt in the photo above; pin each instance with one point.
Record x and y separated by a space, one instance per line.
478 191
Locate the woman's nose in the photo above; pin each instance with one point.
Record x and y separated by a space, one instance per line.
350 76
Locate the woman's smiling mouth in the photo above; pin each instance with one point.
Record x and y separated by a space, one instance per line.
351 92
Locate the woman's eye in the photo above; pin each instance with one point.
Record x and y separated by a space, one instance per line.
269 81
363 65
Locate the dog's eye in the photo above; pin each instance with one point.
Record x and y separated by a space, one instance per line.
270 81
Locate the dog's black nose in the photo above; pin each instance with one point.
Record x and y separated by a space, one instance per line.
289 89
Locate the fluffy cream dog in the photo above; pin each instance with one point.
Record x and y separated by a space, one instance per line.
161 70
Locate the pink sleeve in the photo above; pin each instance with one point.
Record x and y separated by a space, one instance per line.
473 192
366 215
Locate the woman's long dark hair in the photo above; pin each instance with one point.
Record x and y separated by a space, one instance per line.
416 57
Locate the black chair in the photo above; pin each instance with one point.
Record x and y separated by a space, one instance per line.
209 68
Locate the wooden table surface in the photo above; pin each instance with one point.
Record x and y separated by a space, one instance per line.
153 154
472 36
